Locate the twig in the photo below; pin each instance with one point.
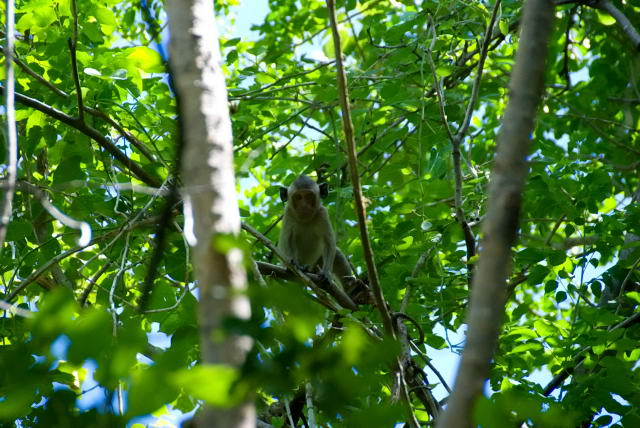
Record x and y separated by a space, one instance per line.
424 257
274 127
469 238
280 80
378 137
160 242
82 226
293 137
93 281
73 42
262 92
555 228
126 134
464 127
45 266
625 282
129 225
579 357
185 288
11 134
288 99
116 278
567 42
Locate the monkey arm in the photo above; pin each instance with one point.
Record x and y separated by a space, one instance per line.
329 250
284 241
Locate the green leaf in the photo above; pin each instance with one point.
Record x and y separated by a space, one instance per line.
531 255
105 16
90 336
145 58
217 385
69 171
605 18
36 118
504 27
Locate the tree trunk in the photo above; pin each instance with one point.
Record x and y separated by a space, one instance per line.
209 180
501 224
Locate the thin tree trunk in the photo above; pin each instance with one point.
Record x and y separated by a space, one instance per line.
210 192
501 224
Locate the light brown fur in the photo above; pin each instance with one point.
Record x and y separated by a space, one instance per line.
307 237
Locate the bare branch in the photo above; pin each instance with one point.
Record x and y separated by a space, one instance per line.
507 182
469 238
343 93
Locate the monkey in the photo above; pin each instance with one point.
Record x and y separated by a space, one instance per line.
307 236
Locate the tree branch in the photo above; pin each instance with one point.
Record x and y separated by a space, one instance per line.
475 91
11 132
500 226
90 132
347 124
621 19
343 93
469 239
92 111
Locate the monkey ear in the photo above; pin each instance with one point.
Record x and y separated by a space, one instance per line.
284 194
324 190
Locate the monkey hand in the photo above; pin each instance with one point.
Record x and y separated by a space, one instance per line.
301 267
325 278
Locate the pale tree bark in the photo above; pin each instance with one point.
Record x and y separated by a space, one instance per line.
210 192
501 223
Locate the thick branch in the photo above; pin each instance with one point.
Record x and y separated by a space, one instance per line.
11 133
501 223
210 196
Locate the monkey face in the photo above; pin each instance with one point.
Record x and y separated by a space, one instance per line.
305 202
